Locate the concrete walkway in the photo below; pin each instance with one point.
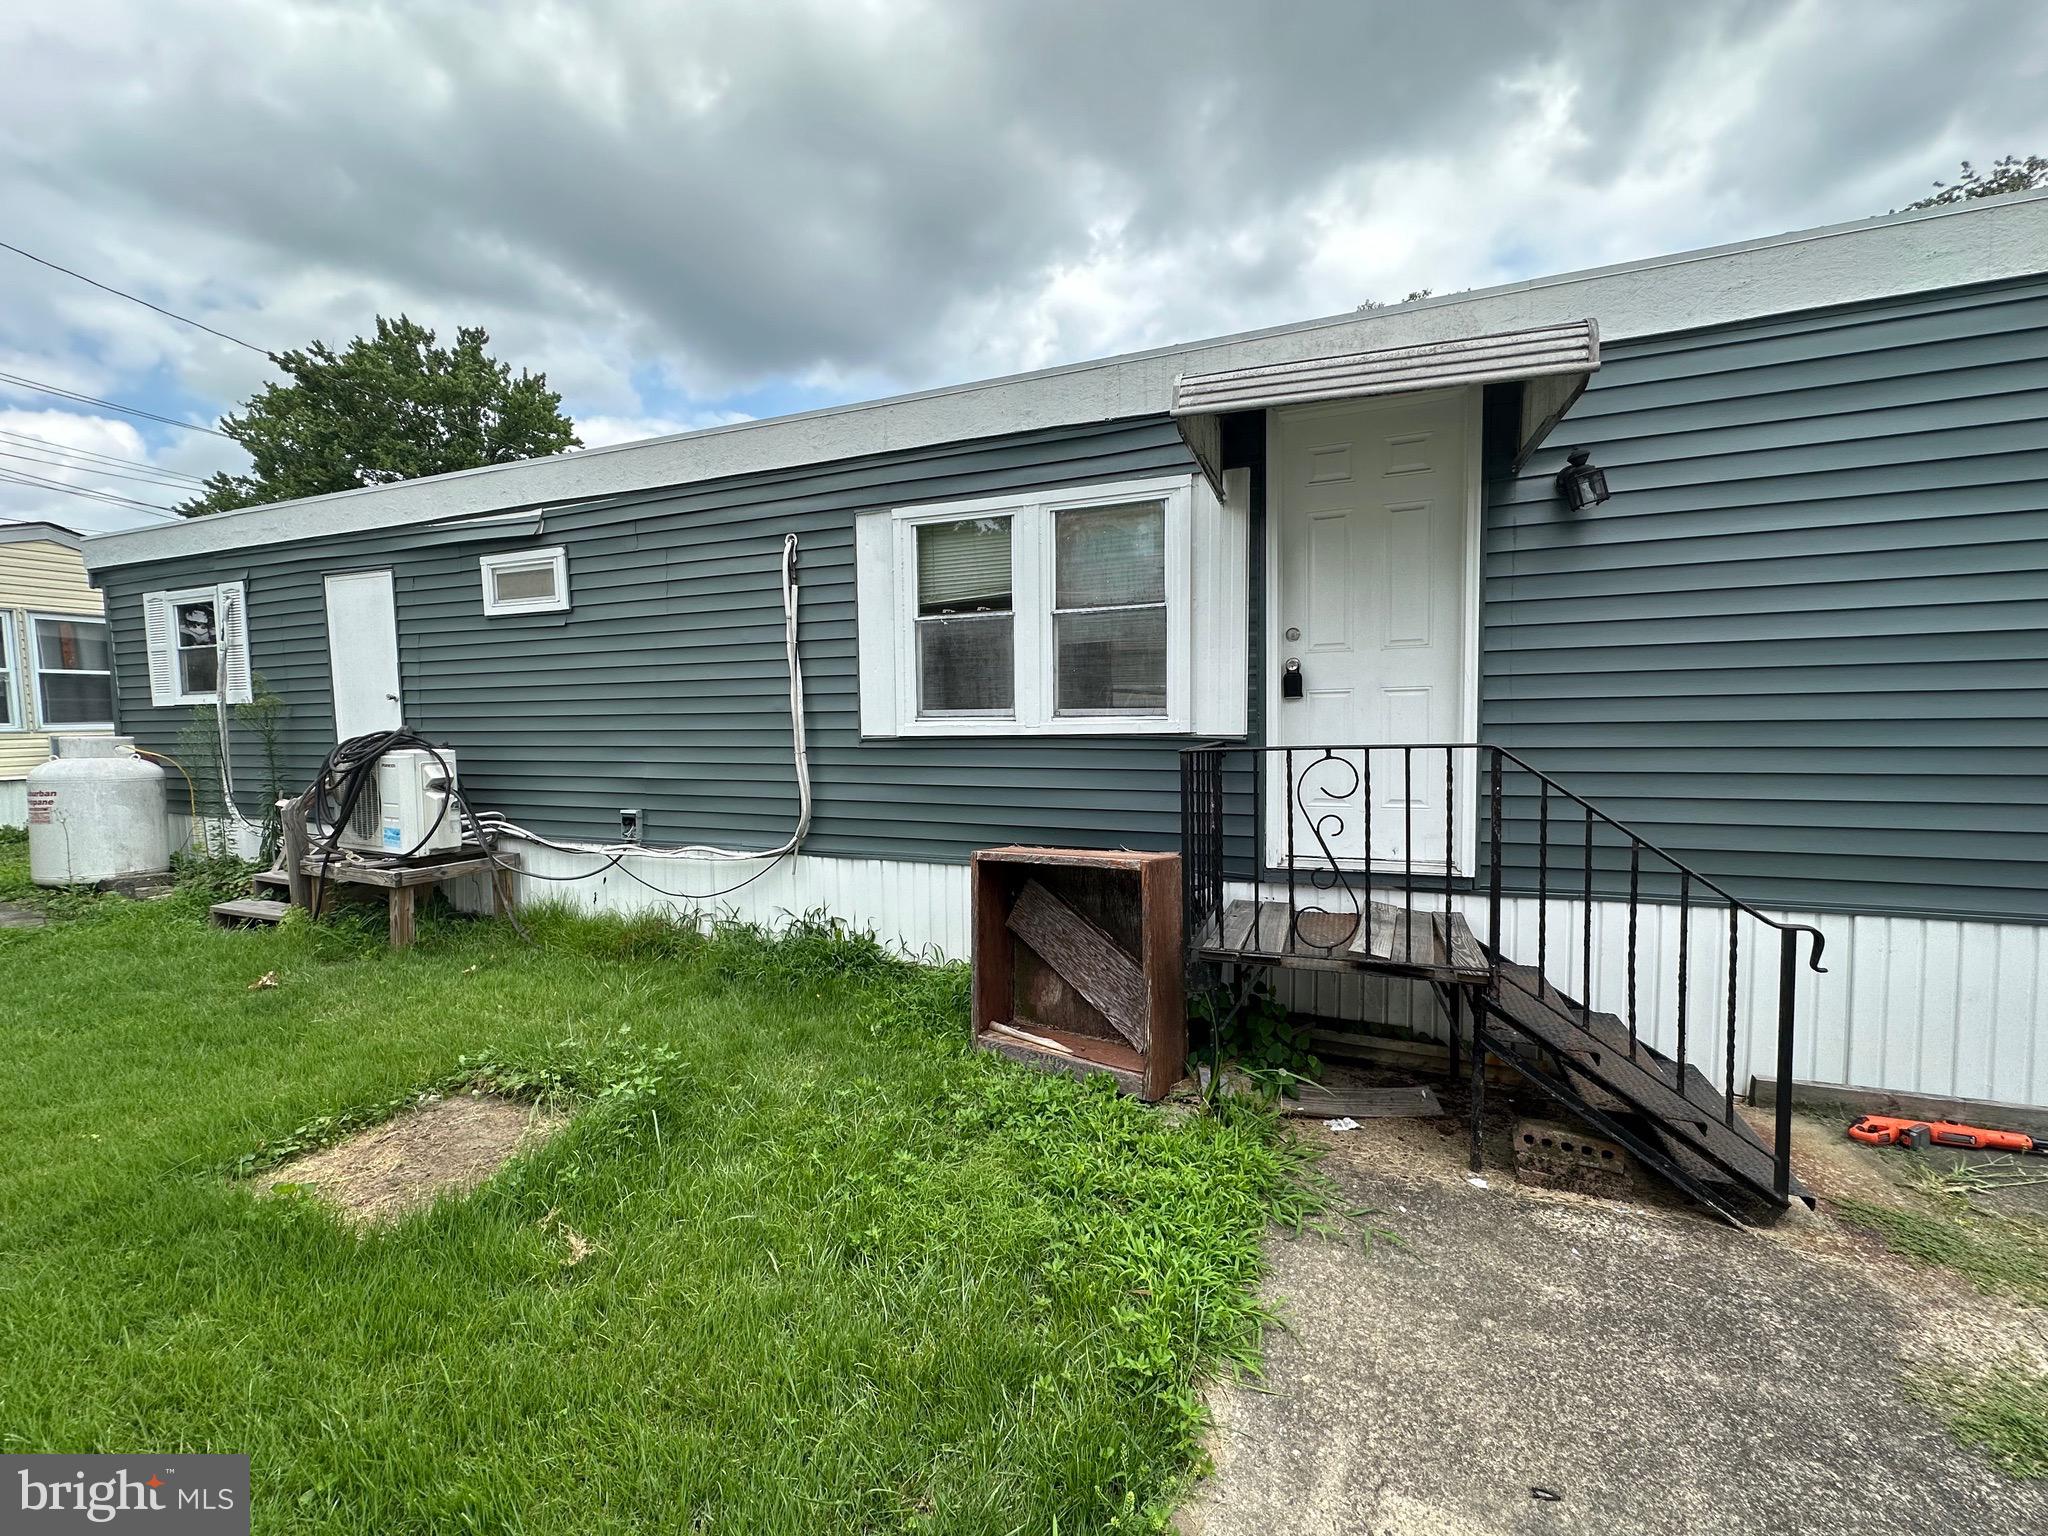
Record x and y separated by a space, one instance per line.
1526 1362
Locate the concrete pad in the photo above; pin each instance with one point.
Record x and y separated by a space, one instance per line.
1656 1372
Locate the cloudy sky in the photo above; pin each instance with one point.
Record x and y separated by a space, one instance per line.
690 213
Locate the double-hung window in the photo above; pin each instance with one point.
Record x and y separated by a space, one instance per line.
1069 612
198 645
965 627
74 673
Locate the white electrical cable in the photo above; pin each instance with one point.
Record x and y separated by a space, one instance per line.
220 711
491 822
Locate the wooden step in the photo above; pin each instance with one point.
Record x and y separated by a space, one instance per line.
1338 938
270 880
249 910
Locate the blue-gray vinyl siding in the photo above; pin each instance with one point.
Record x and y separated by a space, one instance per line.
1805 645
664 687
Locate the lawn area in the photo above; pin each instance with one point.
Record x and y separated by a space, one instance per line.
2000 1407
847 1275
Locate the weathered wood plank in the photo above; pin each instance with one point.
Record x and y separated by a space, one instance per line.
403 904
294 843
228 914
1086 958
393 876
1462 946
1329 1101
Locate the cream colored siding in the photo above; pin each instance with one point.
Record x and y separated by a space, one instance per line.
35 577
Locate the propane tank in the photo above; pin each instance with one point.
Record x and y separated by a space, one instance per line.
96 812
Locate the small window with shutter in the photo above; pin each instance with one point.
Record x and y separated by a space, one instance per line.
198 645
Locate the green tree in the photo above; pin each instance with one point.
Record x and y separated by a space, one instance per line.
390 407
2010 174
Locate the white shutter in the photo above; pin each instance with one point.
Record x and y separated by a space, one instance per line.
874 545
163 661
1222 603
230 606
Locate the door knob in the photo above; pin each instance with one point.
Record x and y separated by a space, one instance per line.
1290 678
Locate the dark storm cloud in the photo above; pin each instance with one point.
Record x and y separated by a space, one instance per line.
888 194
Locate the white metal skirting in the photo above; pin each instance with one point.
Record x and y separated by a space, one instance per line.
13 802
1915 1005
921 909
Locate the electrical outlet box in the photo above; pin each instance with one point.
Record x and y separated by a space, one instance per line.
629 823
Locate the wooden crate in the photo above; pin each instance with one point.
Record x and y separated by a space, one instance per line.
1101 986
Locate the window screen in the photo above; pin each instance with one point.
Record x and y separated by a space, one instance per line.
74 672
1109 610
198 634
966 657
523 583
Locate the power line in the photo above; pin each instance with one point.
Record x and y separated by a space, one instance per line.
123 294
93 456
97 470
112 405
111 498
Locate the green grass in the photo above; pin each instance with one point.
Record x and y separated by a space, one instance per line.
2001 1408
849 1275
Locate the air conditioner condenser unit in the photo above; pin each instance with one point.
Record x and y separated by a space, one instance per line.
408 807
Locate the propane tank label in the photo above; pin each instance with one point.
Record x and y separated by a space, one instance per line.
42 807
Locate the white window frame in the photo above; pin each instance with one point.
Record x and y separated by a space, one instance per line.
35 652
555 560
173 602
11 695
231 634
1032 518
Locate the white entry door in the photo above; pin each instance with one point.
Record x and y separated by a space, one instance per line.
1373 600
362 653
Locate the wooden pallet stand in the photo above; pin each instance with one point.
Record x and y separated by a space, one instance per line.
1077 963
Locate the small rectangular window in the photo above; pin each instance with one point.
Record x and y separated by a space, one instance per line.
966 637
74 673
1109 610
527 581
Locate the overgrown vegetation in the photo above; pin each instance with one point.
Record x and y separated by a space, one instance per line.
847 1274
2002 1408
1259 1034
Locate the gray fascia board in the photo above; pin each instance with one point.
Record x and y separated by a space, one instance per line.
1989 240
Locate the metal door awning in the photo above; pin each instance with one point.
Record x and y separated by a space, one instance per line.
1558 359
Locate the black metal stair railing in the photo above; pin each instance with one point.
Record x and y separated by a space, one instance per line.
1508 832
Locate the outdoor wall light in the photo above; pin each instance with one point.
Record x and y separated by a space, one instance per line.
1582 485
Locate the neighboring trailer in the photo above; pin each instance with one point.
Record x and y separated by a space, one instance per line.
54 673
1804 647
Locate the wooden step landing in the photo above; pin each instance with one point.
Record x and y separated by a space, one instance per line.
1378 937
249 911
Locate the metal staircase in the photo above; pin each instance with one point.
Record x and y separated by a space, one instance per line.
1592 899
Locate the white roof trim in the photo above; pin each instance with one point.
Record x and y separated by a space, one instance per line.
1571 351
1962 243
1573 348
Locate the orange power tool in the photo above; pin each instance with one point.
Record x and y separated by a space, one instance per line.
1895 1131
